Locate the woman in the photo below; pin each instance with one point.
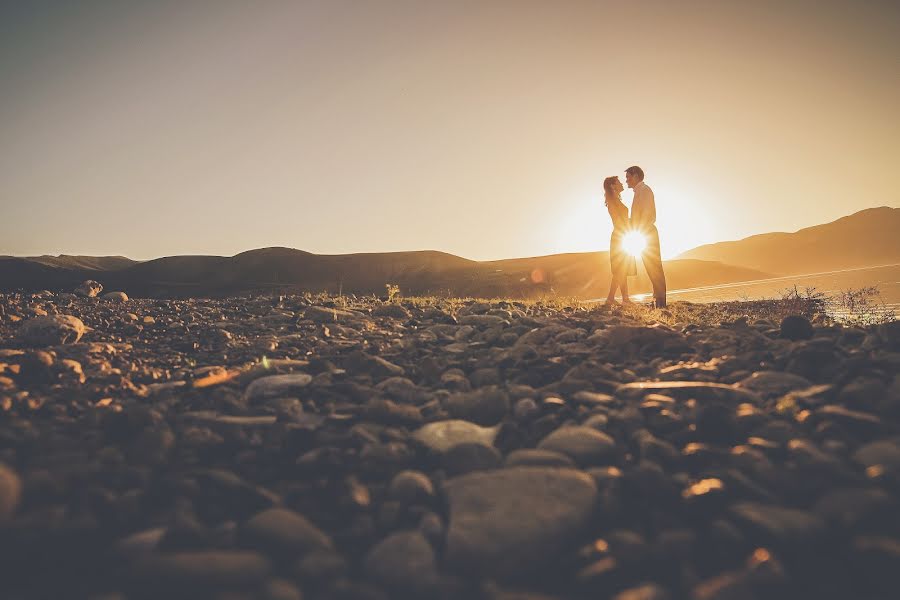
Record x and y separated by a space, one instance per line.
621 263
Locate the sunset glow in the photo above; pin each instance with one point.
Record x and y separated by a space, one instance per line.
634 243
388 126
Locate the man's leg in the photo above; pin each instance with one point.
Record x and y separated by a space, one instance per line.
653 264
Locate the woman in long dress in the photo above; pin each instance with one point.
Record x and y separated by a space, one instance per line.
621 263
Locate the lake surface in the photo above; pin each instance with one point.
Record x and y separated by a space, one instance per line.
885 278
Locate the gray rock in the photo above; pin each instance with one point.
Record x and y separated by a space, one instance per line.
774 383
51 330
274 386
778 526
883 453
402 561
647 591
846 508
481 320
469 456
10 492
796 327
392 311
281 589
88 289
282 531
504 521
410 487
219 569
118 297
534 457
525 409
323 314
484 406
585 445
689 389
440 436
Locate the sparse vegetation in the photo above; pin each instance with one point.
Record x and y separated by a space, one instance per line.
393 291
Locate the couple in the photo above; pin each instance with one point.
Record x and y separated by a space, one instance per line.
642 224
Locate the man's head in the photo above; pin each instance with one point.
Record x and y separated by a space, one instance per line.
633 176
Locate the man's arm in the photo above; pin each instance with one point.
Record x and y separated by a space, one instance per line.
649 206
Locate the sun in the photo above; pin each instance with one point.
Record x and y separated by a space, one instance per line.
634 243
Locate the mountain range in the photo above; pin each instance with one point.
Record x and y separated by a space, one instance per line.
866 238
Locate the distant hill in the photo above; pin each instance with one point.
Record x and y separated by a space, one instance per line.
422 272
65 261
867 238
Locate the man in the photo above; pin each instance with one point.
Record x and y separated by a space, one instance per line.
643 218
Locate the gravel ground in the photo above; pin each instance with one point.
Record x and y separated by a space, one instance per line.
353 448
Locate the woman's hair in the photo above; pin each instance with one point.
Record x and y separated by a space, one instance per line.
607 188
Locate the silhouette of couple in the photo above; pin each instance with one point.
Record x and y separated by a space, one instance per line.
634 235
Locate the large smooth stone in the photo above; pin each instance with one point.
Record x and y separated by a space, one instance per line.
393 311
440 436
89 289
777 526
585 445
51 330
274 386
688 389
282 531
774 383
10 492
221 569
484 406
883 453
402 561
322 314
796 327
504 522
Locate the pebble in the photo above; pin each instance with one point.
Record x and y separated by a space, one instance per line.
505 521
440 436
204 570
403 561
51 330
411 487
88 289
796 327
777 526
470 456
535 457
392 311
254 447
774 383
585 445
485 406
282 531
10 492
274 386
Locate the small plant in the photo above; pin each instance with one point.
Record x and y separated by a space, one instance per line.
860 307
393 291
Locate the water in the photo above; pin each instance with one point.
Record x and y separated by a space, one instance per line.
885 278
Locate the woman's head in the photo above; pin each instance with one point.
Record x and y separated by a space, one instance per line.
612 187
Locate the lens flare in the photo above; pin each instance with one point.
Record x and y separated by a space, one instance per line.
634 243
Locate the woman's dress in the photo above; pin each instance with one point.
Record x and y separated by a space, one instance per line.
620 262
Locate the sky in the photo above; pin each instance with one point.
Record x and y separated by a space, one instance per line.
483 128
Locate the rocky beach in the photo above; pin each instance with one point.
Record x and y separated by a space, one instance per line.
361 448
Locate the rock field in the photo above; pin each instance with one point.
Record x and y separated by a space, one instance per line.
311 447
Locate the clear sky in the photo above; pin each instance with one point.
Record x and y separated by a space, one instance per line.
482 128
